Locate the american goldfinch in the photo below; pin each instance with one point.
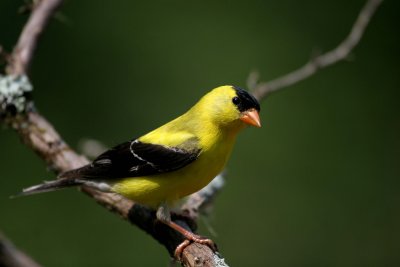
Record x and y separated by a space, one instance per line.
172 161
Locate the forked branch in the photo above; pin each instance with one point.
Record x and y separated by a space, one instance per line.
40 136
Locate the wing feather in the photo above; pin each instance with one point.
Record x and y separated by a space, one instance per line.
136 158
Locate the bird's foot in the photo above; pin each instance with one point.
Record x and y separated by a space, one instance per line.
193 238
164 216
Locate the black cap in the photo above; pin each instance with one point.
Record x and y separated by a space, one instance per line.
244 100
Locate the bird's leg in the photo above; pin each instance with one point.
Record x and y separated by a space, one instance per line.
163 215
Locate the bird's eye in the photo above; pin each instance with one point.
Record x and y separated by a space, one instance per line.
236 100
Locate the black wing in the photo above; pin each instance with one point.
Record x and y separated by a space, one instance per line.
133 159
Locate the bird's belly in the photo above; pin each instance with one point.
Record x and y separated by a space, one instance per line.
169 187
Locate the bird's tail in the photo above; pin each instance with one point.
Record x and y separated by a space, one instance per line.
49 186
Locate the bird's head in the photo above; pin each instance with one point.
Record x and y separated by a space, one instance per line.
232 106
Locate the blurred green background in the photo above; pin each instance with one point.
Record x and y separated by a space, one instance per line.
317 185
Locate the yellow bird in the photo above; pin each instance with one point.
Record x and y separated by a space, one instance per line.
173 161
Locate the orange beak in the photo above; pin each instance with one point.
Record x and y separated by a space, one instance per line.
251 117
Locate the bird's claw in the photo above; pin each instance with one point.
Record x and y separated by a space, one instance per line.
179 249
197 239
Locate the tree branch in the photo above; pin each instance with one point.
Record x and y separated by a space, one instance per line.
10 256
339 53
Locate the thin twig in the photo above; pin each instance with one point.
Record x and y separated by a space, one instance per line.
339 53
27 42
11 256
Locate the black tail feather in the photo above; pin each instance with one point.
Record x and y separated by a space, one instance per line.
49 186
